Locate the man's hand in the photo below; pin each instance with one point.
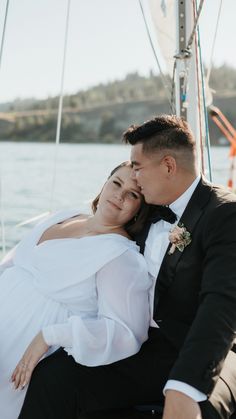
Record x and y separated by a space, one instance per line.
23 371
180 406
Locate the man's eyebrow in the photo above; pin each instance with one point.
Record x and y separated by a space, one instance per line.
134 163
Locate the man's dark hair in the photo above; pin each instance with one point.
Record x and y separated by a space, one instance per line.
161 132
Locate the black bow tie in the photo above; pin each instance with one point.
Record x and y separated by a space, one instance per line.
159 212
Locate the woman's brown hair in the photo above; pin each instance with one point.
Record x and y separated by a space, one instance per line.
136 224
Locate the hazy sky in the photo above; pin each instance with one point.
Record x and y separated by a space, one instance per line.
107 39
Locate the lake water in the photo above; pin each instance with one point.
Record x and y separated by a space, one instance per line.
27 178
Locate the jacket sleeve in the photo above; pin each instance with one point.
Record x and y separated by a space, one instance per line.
212 333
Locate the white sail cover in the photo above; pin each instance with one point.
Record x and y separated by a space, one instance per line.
163 15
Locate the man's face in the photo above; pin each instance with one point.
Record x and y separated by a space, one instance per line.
151 174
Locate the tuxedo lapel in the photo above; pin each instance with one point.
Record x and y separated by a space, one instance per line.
189 219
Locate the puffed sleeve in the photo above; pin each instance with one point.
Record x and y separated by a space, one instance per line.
122 321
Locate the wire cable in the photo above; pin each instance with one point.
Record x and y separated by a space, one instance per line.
60 106
4 31
191 38
208 145
213 45
2 222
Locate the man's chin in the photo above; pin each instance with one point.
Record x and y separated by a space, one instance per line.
151 200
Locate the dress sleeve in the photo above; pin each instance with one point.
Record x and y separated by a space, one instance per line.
122 321
8 259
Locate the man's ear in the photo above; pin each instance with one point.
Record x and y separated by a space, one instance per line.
170 164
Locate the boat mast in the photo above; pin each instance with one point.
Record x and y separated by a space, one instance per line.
186 80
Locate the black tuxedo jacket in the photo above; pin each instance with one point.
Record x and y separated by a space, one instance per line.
195 295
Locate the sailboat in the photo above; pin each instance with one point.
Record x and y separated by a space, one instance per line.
186 88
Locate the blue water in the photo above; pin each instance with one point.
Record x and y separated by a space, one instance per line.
27 177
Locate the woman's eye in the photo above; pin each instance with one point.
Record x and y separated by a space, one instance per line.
116 183
133 195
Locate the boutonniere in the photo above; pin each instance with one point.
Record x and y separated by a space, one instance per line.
179 237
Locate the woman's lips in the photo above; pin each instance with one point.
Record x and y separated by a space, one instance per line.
114 205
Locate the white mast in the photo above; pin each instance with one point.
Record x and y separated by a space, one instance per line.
175 22
186 75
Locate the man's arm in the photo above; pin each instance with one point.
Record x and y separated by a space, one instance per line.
181 400
212 333
180 406
188 390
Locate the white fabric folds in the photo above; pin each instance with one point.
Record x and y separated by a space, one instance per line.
89 295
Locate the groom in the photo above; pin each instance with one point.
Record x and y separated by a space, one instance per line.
190 354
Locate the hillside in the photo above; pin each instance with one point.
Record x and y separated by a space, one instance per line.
103 112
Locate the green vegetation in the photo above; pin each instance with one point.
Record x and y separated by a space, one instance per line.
103 112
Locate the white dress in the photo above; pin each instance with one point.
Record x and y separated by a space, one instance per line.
89 295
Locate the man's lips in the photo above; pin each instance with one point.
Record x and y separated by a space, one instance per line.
114 205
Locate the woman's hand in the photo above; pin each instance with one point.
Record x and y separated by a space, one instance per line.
23 371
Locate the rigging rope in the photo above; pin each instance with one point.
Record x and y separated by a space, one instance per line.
4 31
60 105
208 145
191 38
163 78
198 47
199 108
213 45
3 238
172 98
58 128
183 55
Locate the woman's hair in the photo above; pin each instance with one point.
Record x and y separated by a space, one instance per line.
136 224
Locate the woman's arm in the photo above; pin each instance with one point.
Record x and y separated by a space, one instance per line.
122 321
23 371
118 330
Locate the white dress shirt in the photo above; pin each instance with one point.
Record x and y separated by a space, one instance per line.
155 249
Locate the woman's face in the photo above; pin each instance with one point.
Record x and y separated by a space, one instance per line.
120 198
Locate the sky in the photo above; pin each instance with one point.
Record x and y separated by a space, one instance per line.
107 39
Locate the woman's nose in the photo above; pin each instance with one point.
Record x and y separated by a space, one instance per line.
120 196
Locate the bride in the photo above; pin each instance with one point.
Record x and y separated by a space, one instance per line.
76 281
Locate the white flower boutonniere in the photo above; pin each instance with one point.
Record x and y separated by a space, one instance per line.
179 238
